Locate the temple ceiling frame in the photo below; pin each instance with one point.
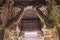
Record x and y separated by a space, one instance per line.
37 14
23 14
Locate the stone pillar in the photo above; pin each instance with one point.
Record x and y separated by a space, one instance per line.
11 33
18 31
47 34
6 34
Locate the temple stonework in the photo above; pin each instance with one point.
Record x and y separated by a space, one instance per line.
26 20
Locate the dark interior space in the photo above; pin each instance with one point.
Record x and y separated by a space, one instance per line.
30 25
